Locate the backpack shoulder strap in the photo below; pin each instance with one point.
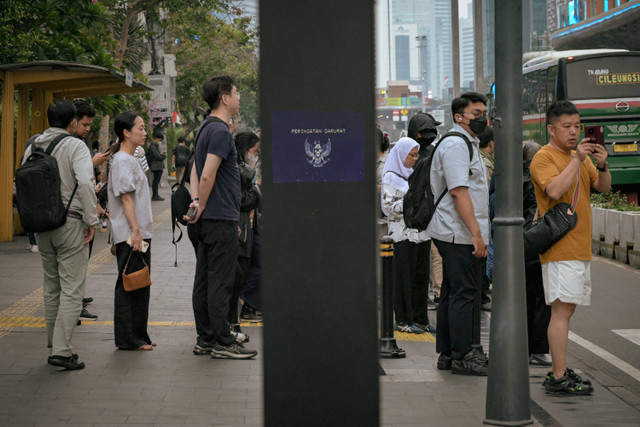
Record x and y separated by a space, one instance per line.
463 136
55 142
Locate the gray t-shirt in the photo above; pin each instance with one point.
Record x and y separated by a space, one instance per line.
126 176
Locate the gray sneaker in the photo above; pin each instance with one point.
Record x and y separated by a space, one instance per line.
232 351
470 364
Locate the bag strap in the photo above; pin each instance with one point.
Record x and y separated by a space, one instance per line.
576 194
129 258
469 146
396 173
49 150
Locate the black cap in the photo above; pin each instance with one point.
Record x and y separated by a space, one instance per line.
422 122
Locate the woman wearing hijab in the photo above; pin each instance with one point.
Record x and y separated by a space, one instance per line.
395 183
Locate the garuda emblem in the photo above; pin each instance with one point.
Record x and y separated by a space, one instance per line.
318 154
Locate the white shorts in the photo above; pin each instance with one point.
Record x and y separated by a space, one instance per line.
568 281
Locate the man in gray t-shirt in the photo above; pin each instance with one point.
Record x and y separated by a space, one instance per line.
460 230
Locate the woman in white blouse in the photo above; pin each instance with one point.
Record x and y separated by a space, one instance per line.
131 218
395 184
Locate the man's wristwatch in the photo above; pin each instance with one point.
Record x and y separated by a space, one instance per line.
604 168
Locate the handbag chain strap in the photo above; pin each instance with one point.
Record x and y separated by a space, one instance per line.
574 200
128 259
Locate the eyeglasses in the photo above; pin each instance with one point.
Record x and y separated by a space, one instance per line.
479 115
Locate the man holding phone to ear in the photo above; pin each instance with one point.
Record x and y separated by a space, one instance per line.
561 172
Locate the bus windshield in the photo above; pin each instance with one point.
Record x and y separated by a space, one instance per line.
603 77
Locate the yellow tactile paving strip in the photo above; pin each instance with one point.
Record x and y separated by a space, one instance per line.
11 322
17 315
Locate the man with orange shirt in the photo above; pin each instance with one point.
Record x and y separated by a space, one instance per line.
556 170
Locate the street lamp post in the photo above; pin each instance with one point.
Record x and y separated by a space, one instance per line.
422 43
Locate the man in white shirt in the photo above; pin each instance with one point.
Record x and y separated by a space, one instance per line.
460 231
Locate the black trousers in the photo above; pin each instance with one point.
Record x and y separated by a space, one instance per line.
156 181
420 284
405 254
242 267
131 309
251 290
538 312
217 251
460 282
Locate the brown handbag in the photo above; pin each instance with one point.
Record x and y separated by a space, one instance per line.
138 279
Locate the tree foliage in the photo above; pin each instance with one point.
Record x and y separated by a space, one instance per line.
212 39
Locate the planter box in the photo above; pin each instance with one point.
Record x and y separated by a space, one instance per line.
598 224
621 253
595 247
607 249
634 258
612 227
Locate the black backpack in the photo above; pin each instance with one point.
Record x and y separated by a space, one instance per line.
182 155
418 203
38 196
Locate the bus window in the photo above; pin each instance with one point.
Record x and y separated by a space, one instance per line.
552 73
542 92
603 77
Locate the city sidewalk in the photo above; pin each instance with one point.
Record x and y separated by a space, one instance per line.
171 386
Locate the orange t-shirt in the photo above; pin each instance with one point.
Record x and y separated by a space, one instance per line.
545 166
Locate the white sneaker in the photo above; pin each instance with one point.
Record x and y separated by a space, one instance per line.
540 359
240 337
32 248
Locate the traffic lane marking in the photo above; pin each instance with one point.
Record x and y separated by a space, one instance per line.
632 335
604 354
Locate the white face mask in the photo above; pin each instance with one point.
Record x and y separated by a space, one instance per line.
252 159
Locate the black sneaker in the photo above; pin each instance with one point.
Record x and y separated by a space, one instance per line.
250 314
431 304
470 364
444 362
85 315
157 198
568 384
203 347
233 351
571 374
87 300
71 363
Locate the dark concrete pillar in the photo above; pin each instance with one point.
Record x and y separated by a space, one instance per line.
319 284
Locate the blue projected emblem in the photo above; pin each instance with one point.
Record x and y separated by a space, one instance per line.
318 154
317 146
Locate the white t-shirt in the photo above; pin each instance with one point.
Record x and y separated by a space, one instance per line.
126 176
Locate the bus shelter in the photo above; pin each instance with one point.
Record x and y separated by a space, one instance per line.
37 84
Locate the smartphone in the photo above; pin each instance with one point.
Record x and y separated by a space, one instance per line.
192 212
595 134
145 245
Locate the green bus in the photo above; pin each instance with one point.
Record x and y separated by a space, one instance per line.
605 86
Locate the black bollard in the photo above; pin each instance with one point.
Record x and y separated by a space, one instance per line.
388 347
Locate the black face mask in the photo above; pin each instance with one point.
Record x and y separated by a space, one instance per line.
425 141
478 126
